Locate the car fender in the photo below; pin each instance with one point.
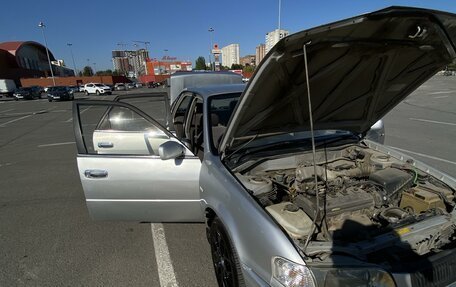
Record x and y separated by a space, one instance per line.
256 237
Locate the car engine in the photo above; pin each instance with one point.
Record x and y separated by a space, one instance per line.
355 196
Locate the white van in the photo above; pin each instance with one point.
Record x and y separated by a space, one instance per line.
7 87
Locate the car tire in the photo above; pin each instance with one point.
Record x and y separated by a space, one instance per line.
97 92
86 93
224 256
50 100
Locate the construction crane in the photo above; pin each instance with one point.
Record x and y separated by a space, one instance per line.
122 45
143 42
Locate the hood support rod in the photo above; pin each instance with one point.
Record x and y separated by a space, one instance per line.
306 67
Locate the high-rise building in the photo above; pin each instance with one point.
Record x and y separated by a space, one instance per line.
273 37
230 55
247 60
259 53
130 62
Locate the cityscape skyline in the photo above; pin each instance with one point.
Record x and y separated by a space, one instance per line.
175 28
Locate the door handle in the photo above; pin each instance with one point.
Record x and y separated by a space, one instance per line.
95 173
105 144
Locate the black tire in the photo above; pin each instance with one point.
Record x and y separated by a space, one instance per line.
97 92
86 93
224 256
50 100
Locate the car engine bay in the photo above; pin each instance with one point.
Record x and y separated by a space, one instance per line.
365 203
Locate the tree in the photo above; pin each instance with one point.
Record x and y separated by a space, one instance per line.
200 63
87 71
236 67
248 69
104 73
79 74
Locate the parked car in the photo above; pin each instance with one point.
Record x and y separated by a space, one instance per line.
38 89
81 88
26 93
120 87
96 88
60 93
291 192
74 88
130 86
152 84
7 87
138 85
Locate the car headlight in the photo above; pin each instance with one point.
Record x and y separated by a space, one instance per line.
291 274
353 276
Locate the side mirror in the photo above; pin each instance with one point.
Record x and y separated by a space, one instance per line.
170 150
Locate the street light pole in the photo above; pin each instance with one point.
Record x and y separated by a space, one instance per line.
41 25
210 48
166 59
94 68
72 57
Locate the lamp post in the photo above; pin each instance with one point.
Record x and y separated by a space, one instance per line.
166 59
210 30
41 25
88 63
72 57
94 68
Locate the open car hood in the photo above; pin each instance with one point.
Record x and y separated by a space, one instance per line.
359 69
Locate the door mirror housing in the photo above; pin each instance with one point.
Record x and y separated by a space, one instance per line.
170 150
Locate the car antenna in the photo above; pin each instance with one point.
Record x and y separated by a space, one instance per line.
306 67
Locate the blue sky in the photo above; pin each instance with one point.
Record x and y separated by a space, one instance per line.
96 27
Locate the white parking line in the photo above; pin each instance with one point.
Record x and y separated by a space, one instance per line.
442 92
165 268
56 144
434 122
440 97
15 120
70 119
424 155
6 111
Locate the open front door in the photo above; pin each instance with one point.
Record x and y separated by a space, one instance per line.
121 171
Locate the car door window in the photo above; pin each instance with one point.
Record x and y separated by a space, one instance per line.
155 105
194 127
118 129
180 113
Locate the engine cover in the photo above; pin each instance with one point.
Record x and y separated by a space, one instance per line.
352 199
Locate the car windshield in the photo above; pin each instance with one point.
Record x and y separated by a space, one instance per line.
23 89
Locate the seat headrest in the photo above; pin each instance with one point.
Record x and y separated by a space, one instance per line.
214 120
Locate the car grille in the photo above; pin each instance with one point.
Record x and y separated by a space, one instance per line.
437 273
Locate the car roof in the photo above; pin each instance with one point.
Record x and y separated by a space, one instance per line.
213 90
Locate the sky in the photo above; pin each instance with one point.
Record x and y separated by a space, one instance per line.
95 28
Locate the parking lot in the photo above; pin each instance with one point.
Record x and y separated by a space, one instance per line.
48 239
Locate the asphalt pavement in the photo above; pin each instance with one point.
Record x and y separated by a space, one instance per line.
48 239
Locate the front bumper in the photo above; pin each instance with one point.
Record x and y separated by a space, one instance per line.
59 97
